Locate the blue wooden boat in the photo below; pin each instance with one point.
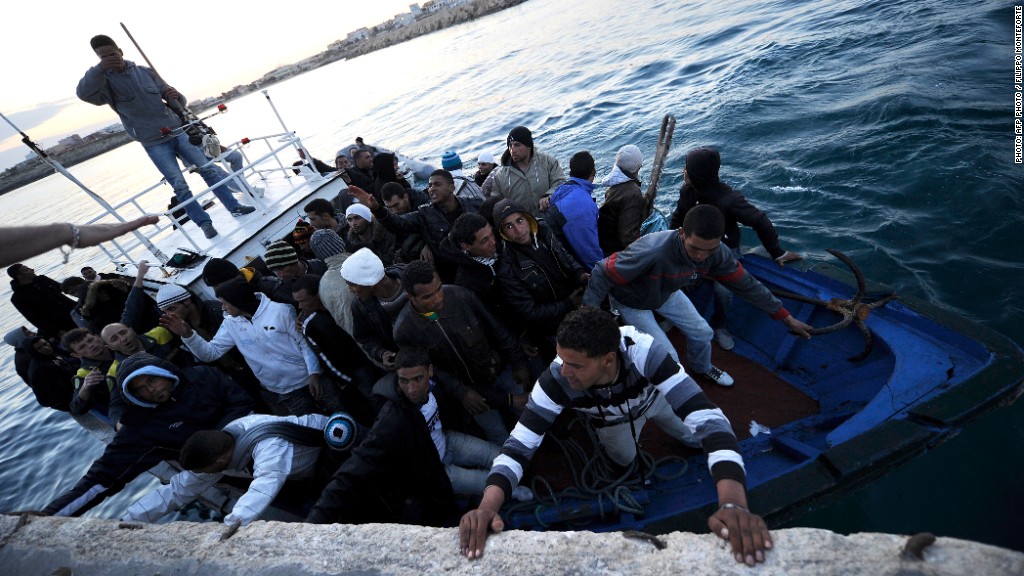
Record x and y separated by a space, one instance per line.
840 414
835 424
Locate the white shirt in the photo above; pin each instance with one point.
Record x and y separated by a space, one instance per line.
274 461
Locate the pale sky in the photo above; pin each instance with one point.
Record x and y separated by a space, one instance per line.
202 49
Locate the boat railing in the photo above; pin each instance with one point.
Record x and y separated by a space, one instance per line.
251 180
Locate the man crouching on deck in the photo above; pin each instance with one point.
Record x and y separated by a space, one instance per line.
622 377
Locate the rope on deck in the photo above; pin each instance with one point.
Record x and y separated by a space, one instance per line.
597 477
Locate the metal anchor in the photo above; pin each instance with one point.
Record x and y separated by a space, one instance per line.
853 311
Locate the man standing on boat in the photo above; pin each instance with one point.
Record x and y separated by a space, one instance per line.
621 378
647 277
526 176
144 104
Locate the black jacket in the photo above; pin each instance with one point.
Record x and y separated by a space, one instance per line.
474 275
466 340
372 328
51 378
394 475
536 280
736 210
44 305
203 399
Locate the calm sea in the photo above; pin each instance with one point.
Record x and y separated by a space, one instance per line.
883 129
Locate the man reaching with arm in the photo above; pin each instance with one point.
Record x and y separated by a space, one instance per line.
623 378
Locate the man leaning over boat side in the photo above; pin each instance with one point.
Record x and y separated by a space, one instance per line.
166 404
142 101
647 278
526 176
268 449
621 378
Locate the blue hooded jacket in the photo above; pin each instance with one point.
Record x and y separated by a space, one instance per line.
575 203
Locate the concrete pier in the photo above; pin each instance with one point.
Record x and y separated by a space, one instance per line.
68 546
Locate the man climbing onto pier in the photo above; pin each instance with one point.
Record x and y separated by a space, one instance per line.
144 104
621 378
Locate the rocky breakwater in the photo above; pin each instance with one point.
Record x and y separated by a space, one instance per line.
39 545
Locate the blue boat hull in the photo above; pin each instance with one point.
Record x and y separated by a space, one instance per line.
929 373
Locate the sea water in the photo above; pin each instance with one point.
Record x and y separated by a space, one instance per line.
883 129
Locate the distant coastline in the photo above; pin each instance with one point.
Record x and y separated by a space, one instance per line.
100 142
31 170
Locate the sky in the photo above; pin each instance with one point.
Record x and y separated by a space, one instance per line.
203 52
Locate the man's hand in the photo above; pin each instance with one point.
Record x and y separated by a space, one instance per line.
577 296
364 197
176 324
522 375
388 360
529 348
474 524
140 276
427 254
316 388
474 403
788 257
797 327
172 94
113 61
544 203
745 531
519 401
92 382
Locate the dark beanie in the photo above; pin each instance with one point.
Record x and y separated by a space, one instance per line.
522 135
239 294
217 271
101 40
702 166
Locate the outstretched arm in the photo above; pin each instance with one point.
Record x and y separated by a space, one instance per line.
20 242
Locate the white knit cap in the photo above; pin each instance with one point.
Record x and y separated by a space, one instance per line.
629 159
359 210
169 294
363 268
486 157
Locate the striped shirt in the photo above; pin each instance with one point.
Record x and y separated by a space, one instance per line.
645 371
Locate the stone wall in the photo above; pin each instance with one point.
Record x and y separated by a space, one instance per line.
69 546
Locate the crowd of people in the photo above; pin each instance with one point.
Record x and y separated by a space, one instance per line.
451 325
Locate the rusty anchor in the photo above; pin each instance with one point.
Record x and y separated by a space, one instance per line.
853 311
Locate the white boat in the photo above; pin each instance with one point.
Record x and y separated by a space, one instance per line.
269 183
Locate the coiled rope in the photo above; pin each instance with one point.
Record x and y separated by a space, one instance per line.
595 477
